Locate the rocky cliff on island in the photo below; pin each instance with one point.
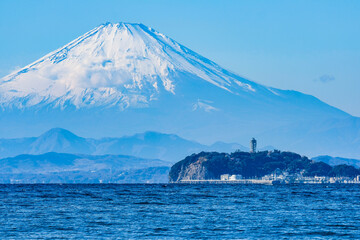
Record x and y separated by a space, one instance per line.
211 165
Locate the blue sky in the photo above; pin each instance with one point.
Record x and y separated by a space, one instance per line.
309 46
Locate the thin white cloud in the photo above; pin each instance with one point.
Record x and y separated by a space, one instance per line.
325 78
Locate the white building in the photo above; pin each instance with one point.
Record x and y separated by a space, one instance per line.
228 177
224 177
235 177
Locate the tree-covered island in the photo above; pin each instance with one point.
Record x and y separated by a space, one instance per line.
212 165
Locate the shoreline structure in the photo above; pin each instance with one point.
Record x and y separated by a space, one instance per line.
267 181
293 169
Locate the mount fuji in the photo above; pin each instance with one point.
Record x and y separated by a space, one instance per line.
124 78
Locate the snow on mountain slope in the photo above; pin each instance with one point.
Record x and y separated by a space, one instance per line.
112 65
120 79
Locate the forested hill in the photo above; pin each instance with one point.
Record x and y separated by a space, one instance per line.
210 165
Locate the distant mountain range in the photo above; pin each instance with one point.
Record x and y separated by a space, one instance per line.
121 79
64 162
71 168
59 156
78 168
150 145
332 161
143 175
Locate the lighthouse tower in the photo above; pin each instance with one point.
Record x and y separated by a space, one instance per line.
253 145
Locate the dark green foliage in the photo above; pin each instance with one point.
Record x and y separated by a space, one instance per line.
261 163
344 170
318 169
258 164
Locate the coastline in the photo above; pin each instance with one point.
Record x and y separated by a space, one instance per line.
261 181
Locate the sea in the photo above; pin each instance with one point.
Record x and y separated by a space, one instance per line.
179 211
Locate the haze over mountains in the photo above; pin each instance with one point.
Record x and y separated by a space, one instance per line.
333 161
59 156
79 168
121 79
148 145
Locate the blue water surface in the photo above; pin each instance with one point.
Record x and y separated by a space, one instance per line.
172 211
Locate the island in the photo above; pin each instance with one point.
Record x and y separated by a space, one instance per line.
262 167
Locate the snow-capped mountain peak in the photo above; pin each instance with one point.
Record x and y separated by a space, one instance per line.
118 64
119 79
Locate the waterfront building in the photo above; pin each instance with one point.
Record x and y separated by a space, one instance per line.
235 177
253 144
224 177
228 177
